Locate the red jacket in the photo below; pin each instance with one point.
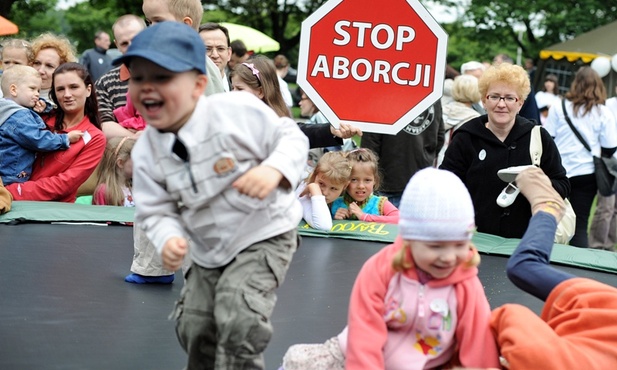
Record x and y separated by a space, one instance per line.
56 176
576 329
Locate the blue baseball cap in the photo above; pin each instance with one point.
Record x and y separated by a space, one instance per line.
171 45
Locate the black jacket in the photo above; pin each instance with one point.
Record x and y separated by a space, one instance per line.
319 135
415 147
476 154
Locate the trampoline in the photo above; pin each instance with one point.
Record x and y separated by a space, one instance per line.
65 304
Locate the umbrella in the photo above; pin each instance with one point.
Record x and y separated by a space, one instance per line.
7 27
254 40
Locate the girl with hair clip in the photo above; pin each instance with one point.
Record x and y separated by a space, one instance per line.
417 303
115 179
358 202
323 186
258 76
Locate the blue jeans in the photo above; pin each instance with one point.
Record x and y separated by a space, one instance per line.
529 266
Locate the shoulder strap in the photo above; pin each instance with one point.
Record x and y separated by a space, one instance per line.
578 135
535 146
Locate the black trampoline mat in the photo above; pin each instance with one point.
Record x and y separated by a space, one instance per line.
65 304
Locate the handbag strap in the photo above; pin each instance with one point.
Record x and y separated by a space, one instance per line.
535 146
578 134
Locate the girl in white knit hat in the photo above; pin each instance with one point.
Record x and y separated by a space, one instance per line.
417 303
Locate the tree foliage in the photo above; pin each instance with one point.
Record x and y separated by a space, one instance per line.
532 25
486 27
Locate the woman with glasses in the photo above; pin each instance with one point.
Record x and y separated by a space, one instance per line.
497 140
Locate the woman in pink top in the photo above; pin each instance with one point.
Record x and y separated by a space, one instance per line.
417 303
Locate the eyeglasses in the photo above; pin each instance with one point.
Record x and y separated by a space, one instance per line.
219 50
496 99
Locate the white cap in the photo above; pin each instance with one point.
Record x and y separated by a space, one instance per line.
436 206
472 65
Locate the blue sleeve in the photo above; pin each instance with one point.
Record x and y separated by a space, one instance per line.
31 133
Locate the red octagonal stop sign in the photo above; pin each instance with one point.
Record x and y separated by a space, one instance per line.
374 66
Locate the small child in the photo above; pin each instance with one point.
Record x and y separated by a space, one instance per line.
326 183
22 131
15 52
417 303
128 117
358 202
221 171
115 178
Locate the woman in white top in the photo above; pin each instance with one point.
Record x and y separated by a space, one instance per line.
603 228
585 107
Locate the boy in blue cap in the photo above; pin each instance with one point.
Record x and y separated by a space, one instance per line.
221 171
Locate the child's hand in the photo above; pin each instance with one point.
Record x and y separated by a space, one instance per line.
40 106
75 135
173 253
313 189
355 210
258 182
342 214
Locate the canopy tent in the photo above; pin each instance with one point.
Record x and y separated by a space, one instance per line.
254 40
565 58
7 27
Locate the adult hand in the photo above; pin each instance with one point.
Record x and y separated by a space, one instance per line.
173 253
345 131
258 182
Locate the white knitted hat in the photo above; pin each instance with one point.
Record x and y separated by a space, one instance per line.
436 206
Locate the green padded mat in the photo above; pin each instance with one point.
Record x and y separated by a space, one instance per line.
489 244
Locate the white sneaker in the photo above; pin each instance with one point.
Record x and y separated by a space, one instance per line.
509 174
508 195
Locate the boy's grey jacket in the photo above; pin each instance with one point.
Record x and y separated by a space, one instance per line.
227 135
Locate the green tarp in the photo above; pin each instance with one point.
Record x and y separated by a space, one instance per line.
385 233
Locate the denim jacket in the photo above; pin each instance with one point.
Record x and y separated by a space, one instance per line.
22 134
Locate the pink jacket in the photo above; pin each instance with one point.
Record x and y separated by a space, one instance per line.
396 322
128 117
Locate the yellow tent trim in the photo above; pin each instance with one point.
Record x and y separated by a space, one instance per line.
572 56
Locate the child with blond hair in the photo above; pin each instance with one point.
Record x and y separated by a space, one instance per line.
323 186
417 303
15 52
115 178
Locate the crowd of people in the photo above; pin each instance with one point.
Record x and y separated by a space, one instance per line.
159 130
